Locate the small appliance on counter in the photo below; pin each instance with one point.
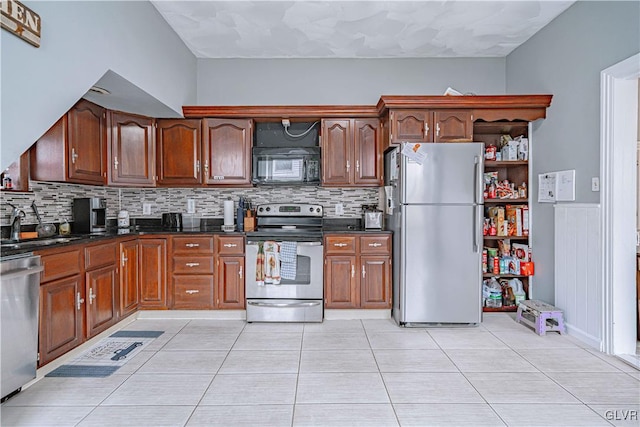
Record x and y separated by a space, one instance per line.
172 221
372 217
123 219
89 215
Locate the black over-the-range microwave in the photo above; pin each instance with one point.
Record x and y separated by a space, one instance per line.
288 155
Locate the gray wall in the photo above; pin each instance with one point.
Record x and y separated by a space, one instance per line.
80 42
565 59
341 81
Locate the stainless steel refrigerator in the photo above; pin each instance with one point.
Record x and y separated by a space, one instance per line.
437 216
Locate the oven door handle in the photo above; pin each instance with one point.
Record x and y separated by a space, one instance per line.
284 304
254 243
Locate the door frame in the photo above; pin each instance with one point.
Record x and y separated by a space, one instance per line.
618 139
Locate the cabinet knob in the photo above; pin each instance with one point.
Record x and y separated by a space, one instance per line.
192 264
229 245
348 166
240 272
363 272
115 162
437 129
79 301
353 270
92 296
426 130
375 245
192 291
74 155
192 245
340 245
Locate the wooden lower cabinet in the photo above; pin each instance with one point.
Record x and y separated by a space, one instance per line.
153 273
129 277
230 277
357 272
193 292
61 317
101 289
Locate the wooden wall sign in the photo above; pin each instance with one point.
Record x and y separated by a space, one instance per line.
18 19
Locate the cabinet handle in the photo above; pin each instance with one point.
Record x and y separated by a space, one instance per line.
192 291
115 162
79 300
206 167
353 270
357 165
375 245
192 264
198 166
363 272
437 129
340 245
240 272
123 258
92 296
229 245
74 155
426 130
348 166
192 245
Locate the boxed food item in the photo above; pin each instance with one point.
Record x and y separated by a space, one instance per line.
521 252
527 268
510 150
523 148
496 213
504 247
525 220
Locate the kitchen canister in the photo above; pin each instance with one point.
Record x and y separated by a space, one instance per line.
123 219
229 215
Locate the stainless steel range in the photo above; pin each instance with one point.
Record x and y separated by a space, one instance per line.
284 264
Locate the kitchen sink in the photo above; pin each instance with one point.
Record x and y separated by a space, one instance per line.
36 243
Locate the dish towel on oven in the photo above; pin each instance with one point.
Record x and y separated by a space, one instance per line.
271 263
260 265
288 260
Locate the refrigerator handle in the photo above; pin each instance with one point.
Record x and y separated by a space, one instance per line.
476 180
474 229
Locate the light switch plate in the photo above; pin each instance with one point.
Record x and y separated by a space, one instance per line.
191 206
595 184
339 209
146 209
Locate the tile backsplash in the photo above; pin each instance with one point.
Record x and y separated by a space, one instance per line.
54 199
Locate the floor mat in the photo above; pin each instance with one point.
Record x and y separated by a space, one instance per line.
104 358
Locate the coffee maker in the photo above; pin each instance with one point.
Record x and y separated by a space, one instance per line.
89 215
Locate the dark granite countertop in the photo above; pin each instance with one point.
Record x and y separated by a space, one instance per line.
142 227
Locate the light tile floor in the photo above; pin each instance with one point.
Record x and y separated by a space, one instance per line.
342 373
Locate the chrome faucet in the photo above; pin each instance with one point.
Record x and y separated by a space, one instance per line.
16 218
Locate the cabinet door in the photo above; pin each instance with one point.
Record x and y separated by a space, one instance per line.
178 152
367 152
230 278
131 150
129 277
19 173
61 315
193 292
341 282
86 145
375 281
227 151
153 273
336 152
453 126
101 288
411 126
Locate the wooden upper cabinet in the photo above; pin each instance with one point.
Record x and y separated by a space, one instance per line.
86 135
72 150
336 152
367 152
453 125
131 150
411 126
178 152
227 151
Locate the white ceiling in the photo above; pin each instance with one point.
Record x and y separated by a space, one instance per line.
356 29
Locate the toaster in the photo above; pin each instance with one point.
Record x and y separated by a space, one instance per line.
373 219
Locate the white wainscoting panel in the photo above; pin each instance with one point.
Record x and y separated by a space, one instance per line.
578 281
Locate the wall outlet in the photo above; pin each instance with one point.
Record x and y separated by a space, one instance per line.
339 209
191 206
595 184
146 209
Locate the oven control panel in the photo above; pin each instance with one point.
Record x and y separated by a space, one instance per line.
281 209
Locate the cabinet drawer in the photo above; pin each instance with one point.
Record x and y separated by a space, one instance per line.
101 255
193 292
193 264
380 244
193 244
60 264
340 244
230 245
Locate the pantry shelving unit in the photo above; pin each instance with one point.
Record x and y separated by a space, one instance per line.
516 171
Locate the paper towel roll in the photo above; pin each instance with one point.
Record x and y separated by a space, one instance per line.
228 212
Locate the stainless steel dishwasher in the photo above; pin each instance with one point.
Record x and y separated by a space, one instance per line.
19 295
